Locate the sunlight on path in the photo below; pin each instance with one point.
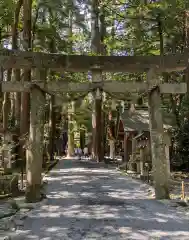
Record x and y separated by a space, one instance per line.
86 201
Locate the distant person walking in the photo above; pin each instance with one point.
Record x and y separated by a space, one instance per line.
80 152
86 152
76 151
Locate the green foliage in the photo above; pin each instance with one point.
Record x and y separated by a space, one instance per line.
6 12
131 28
181 142
184 108
181 134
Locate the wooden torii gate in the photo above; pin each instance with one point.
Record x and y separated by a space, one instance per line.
152 65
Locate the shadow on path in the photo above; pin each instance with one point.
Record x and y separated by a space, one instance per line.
90 201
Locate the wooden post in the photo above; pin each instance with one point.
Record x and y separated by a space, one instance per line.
167 155
98 134
183 191
128 147
134 143
6 105
103 133
71 111
141 161
157 145
34 154
125 148
167 143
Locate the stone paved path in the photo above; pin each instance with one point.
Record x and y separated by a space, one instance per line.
88 201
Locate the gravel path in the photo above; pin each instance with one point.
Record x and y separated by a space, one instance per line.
89 201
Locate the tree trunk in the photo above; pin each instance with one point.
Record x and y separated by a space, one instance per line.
17 96
1 79
52 128
1 94
70 113
101 108
96 77
103 135
52 115
186 44
17 104
25 97
82 138
6 105
98 140
112 148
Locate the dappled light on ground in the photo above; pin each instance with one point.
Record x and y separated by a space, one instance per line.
91 202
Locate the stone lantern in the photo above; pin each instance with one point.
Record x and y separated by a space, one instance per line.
142 145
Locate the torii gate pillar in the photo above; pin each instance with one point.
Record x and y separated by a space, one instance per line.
159 163
34 153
